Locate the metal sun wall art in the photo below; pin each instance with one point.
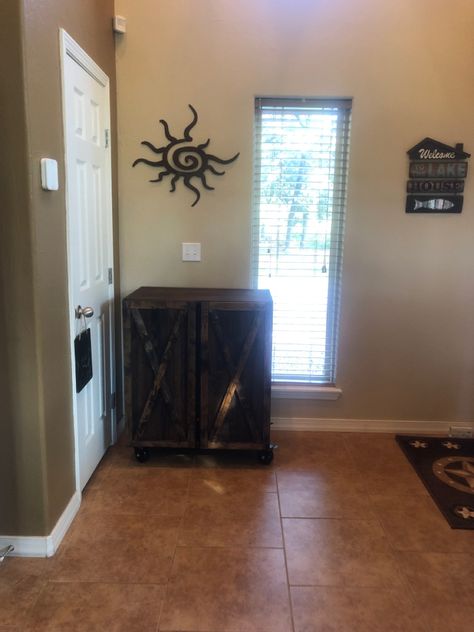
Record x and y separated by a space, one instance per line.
182 159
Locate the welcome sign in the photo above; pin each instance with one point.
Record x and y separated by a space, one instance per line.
437 173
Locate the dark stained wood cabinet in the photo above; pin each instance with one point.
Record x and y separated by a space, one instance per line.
198 369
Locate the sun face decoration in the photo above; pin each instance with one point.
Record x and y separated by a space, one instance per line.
181 159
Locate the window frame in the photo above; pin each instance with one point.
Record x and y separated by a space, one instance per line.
311 387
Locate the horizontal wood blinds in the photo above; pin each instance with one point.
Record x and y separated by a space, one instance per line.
301 156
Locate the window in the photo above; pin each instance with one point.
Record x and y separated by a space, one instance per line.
299 201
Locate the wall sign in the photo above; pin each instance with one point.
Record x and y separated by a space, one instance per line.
181 158
83 359
437 172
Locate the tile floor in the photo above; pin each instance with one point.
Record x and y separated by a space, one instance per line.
337 535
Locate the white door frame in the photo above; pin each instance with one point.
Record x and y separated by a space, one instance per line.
69 47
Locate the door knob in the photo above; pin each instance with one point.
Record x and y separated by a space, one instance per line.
86 312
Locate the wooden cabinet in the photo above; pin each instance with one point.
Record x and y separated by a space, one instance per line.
198 369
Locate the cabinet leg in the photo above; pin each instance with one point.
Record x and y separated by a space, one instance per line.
142 454
266 456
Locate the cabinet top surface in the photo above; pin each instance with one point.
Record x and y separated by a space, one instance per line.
198 294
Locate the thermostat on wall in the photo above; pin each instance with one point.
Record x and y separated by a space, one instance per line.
49 174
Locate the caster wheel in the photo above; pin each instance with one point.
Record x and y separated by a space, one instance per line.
142 454
266 456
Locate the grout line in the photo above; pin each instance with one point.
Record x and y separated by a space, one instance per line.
32 606
336 586
103 581
338 518
394 553
162 605
284 557
236 547
166 589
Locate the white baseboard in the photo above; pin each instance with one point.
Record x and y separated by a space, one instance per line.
402 426
44 546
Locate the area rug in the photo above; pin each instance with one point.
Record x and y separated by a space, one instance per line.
446 467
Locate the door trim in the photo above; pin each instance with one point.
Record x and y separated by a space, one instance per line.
68 47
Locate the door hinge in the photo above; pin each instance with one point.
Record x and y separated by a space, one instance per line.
111 276
112 401
107 138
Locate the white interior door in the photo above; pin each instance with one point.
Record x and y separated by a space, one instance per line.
89 209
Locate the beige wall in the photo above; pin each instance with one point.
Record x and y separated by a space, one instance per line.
89 23
21 474
38 425
407 336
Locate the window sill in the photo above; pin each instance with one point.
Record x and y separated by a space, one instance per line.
305 391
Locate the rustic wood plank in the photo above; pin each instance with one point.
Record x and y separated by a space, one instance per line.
161 443
267 373
232 370
127 359
237 445
204 373
167 296
192 398
244 356
159 367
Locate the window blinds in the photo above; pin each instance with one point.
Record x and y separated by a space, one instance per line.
301 156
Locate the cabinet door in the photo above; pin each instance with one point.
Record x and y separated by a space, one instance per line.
160 353
235 375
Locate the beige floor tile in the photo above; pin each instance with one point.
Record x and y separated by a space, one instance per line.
320 475
239 519
439 578
21 582
164 478
450 618
98 607
98 479
327 552
319 495
106 547
14 569
366 547
384 467
228 481
414 523
307 451
120 456
355 609
227 589
140 491
230 459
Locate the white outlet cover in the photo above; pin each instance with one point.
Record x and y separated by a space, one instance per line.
191 251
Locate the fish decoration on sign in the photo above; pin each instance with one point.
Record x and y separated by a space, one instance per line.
436 204
437 172
181 158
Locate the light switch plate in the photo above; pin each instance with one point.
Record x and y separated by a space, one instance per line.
191 252
49 174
